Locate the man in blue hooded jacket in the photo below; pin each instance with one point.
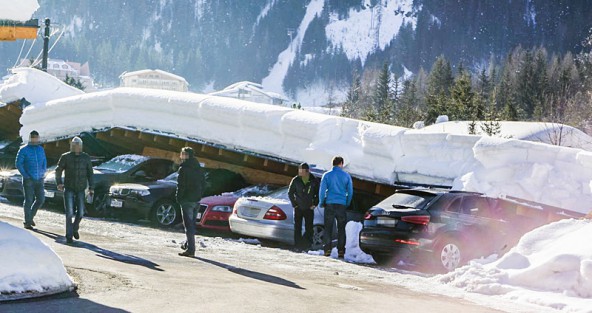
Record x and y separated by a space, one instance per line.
335 195
32 164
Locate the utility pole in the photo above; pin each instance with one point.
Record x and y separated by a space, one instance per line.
45 46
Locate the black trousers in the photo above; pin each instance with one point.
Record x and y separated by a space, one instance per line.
335 212
189 212
300 241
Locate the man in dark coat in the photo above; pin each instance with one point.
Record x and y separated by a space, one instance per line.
78 175
32 165
190 186
304 196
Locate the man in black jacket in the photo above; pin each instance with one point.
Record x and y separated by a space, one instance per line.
304 196
78 175
190 186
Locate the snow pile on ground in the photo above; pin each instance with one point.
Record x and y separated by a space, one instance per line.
29 266
353 252
34 85
551 266
553 175
551 133
20 10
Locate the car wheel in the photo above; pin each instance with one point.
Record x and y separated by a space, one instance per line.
318 232
449 254
166 214
99 206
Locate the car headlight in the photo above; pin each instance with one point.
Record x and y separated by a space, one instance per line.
222 208
142 192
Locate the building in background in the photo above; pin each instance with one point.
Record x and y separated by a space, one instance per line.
253 92
153 79
62 69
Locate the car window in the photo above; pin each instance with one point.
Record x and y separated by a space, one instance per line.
281 193
155 169
454 206
406 200
475 205
172 177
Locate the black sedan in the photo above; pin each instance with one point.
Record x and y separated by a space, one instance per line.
156 200
445 228
121 169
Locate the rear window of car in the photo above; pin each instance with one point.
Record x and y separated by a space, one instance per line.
281 193
402 200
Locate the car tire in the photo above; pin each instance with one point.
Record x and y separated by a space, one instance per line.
318 232
166 214
99 207
449 254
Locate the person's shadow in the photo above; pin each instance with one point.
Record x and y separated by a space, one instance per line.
252 274
103 253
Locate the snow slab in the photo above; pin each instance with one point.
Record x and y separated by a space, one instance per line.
553 175
353 252
34 85
28 267
21 10
551 267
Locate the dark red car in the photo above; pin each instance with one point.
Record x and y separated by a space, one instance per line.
214 211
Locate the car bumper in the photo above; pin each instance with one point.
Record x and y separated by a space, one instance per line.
10 189
389 241
130 205
216 221
262 229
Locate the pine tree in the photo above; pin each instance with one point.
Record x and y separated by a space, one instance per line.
438 89
463 104
76 83
352 102
382 96
408 111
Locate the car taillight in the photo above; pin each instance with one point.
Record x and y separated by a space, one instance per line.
407 242
369 216
275 213
416 219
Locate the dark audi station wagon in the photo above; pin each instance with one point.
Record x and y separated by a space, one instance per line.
444 228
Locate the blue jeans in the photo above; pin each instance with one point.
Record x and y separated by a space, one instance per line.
74 205
333 212
34 198
189 210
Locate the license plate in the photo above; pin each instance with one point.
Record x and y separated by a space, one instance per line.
251 212
198 216
116 203
49 194
385 221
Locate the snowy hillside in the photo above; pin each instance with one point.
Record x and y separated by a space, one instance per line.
539 172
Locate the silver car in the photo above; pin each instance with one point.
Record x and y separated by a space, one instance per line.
272 218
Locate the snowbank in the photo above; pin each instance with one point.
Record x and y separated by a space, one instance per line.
551 266
553 175
34 85
28 266
550 133
353 252
20 10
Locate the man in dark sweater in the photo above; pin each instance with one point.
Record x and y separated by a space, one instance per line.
78 175
190 186
304 196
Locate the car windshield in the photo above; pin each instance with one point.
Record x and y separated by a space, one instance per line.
122 163
172 177
401 200
281 193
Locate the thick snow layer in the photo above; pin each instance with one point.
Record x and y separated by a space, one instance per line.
28 265
553 175
21 10
551 133
373 27
34 85
551 266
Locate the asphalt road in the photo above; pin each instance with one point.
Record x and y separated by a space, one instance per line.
121 267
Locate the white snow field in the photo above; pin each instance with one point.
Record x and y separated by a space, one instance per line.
35 86
551 267
552 175
20 10
28 267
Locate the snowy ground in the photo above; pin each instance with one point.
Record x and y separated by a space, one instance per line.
145 254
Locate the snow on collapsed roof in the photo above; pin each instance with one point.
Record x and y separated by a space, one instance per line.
553 175
29 266
147 71
34 85
551 133
550 266
21 10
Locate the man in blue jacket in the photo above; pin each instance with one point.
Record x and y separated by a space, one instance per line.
32 164
335 195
